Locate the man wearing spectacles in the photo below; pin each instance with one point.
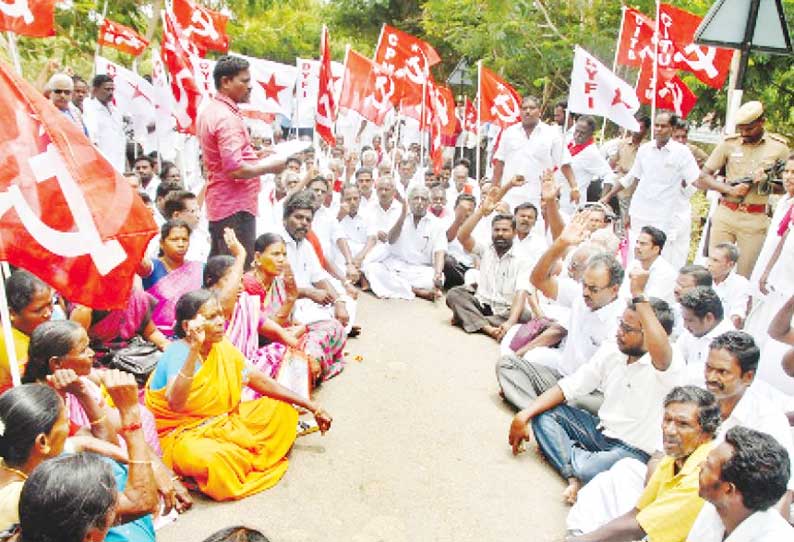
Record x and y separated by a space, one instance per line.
594 314
635 372
61 87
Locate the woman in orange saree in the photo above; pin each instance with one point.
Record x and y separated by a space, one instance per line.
232 449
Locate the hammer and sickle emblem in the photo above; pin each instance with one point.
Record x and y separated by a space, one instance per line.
703 61
18 8
107 255
505 107
205 28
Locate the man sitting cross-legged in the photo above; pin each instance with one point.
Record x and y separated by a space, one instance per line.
594 315
635 373
417 248
669 503
499 299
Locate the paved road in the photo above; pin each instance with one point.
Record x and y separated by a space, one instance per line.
418 450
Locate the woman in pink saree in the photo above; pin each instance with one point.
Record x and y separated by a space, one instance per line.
272 283
261 340
121 325
168 277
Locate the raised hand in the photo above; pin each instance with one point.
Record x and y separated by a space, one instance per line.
66 380
517 181
576 230
236 248
548 186
122 388
638 278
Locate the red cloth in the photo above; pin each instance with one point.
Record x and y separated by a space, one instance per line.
575 149
311 237
226 146
785 223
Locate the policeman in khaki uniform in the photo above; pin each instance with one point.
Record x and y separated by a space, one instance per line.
741 216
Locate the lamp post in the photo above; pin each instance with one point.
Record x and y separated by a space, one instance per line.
459 78
754 25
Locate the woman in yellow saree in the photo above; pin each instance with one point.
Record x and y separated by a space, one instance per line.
232 449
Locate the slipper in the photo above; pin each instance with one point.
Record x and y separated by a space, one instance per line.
355 331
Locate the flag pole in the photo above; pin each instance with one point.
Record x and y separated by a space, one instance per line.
11 352
615 64
479 105
421 122
14 52
98 48
654 79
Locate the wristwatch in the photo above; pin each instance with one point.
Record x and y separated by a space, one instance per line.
639 299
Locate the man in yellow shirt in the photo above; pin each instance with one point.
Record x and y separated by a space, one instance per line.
29 305
670 503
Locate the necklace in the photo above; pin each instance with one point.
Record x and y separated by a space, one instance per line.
12 470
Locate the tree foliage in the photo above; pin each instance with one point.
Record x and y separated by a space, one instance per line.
529 42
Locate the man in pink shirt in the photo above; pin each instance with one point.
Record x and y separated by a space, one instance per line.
231 163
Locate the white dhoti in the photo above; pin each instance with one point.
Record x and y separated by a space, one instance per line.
395 278
609 495
307 311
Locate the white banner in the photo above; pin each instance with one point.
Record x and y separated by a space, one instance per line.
595 90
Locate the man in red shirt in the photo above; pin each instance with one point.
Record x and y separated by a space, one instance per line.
231 163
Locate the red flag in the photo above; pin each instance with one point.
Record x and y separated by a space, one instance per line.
34 18
183 85
444 109
636 38
469 116
672 93
366 89
678 50
407 59
326 107
56 191
121 37
499 103
204 27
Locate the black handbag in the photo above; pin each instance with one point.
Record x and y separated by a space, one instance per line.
138 357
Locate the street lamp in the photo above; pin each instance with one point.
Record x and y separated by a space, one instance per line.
754 25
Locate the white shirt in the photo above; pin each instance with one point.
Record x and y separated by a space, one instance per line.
417 243
695 351
530 157
500 278
454 248
327 229
106 130
379 220
471 187
587 329
753 410
633 393
659 192
734 293
531 247
587 164
354 228
303 260
661 281
200 243
766 526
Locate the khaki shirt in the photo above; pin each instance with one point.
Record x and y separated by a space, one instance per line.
624 160
742 160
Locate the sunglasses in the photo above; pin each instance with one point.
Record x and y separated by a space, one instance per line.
61 91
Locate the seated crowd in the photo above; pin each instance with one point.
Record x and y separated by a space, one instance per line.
631 372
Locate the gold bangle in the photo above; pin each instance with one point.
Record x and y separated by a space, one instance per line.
139 462
99 420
